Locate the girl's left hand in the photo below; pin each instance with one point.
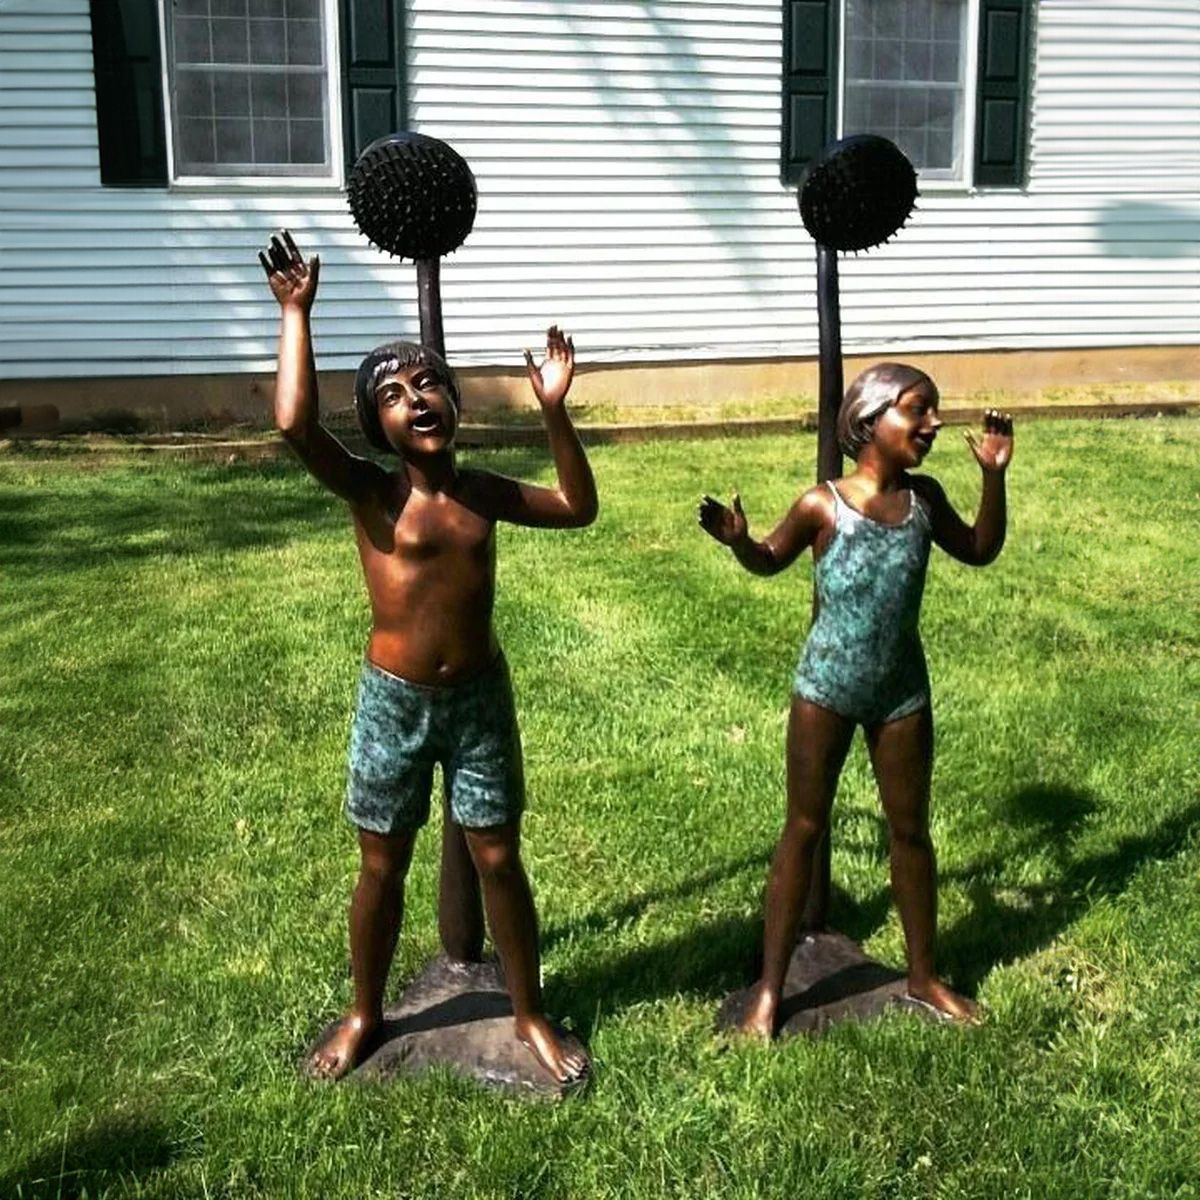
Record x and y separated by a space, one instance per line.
994 451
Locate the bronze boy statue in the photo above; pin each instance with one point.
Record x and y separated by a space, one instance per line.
434 687
863 663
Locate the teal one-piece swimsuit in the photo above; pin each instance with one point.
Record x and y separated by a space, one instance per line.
863 658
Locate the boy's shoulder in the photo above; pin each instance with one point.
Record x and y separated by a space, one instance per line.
477 483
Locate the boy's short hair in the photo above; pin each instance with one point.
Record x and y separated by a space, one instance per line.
877 388
386 360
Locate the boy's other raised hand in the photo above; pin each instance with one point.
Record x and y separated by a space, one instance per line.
727 525
994 450
293 281
551 380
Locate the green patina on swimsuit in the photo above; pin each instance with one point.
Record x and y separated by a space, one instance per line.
863 658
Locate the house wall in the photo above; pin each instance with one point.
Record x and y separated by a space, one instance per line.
626 156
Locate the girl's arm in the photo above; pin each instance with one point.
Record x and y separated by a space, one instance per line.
573 503
799 528
978 544
293 282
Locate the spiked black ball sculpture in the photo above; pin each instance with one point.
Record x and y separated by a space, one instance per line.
858 193
414 197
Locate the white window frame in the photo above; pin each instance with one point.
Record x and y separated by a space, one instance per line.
970 106
331 182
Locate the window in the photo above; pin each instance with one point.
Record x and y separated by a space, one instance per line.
250 88
904 76
249 93
946 80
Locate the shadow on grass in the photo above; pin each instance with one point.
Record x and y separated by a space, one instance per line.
137 511
597 922
110 518
707 961
1010 921
716 957
115 1151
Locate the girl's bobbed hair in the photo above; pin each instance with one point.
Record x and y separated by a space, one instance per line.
387 360
877 388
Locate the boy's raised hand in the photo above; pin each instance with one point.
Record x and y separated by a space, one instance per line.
994 451
293 281
727 525
552 379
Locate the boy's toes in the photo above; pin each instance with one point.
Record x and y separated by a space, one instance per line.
945 1004
577 1064
566 1061
342 1050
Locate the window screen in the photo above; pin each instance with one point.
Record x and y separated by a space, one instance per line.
905 78
250 91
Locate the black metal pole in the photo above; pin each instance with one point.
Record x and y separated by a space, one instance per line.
429 303
829 466
829 330
460 906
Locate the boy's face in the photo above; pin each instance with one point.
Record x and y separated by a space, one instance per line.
907 429
416 410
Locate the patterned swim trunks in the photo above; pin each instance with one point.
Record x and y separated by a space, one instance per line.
402 729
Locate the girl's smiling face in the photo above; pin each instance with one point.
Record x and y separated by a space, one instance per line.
906 430
416 410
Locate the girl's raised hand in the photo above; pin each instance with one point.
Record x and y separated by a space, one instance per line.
994 450
727 525
293 281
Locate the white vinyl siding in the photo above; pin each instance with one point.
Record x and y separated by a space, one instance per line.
627 162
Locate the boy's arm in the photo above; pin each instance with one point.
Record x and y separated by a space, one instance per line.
978 544
294 284
573 503
797 531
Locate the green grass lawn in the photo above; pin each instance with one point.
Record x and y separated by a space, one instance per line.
180 645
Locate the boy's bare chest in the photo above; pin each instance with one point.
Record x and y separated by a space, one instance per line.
428 528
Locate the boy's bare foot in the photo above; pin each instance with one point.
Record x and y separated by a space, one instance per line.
567 1063
758 1021
342 1050
945 1003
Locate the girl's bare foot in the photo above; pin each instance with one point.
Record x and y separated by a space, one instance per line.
342 1050
759 1018
565 1061
946 1003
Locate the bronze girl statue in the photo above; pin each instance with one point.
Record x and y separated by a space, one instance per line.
863 664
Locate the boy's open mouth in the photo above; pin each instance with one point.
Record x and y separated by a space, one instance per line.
427 422
925 441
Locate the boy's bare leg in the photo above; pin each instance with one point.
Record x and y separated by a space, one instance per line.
376 910
460 907
817 743
513 924
902 757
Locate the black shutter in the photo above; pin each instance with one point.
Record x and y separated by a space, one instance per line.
129 101
809 83
1001 129
373 72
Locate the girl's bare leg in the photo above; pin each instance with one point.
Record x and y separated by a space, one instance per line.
902 757
513 924
817 743
376 910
